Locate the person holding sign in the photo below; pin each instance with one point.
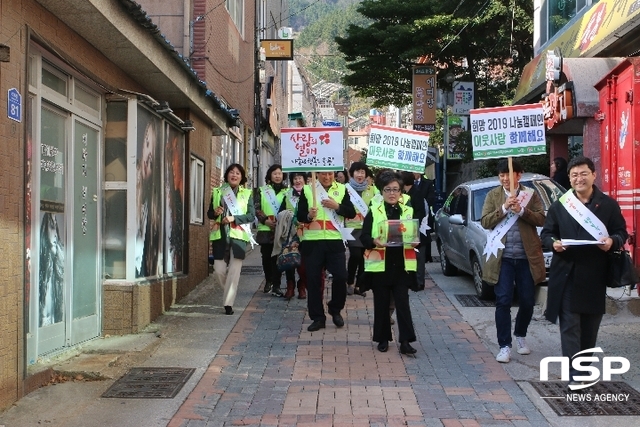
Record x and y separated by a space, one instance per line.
323 209
514 254
361 193
232 212
269 198
392 268
578 276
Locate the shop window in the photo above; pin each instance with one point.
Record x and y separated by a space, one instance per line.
560 12
196 191
174 199
115 234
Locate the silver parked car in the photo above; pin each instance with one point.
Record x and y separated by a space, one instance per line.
460 237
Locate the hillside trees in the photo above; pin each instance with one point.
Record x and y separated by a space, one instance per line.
486 42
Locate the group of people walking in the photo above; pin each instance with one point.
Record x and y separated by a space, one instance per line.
326 220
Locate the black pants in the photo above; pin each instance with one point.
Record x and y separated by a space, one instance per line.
269 266
383 291
578 331
328 254
355 265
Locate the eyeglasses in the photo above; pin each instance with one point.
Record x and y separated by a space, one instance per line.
391 190
580 175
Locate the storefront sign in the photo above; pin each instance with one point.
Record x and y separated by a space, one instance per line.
277 49
463 97
396 148
558 105
312 149
516 130
424 98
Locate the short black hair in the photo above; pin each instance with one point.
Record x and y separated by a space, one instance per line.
408 178
386 177
292 175
357 166
267 177
503 166
238 166
579 161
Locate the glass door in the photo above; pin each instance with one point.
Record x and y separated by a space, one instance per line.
85 295
51 292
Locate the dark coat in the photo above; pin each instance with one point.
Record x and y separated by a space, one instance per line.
585 268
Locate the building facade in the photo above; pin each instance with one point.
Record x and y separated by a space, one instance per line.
106 183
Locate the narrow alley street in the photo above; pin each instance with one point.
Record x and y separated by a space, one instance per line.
260 367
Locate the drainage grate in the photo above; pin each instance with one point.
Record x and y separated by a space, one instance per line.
150 383
251 270
604 398
473 301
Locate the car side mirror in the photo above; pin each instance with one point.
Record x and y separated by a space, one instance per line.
457 219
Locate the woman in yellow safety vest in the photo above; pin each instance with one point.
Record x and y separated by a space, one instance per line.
268 200
232 212
361 193
391 268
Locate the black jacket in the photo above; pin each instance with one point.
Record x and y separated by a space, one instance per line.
585 268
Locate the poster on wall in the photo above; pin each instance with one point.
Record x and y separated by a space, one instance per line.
51 261
174 199
149 195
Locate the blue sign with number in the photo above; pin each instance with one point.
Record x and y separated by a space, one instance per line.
14 105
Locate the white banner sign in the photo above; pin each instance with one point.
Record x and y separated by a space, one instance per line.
516 130
397 148
312 149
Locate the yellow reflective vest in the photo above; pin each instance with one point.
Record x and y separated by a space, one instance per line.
322 228
367 195
374 258
267 209
235 231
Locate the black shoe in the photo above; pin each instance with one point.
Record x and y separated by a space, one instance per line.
276 292
337 320
316 325
405 348
383 346
357 292
228 310
267 287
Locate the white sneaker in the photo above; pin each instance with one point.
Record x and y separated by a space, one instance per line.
505 355
521 343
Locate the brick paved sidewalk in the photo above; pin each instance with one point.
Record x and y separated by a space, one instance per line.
271 371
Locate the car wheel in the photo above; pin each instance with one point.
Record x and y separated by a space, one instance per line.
483 289
447 268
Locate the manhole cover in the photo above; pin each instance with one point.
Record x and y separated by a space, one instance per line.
473 301
150 383
603 398
251 270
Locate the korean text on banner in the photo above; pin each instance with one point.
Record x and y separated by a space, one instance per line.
424 97
312 149
397 148
516 130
